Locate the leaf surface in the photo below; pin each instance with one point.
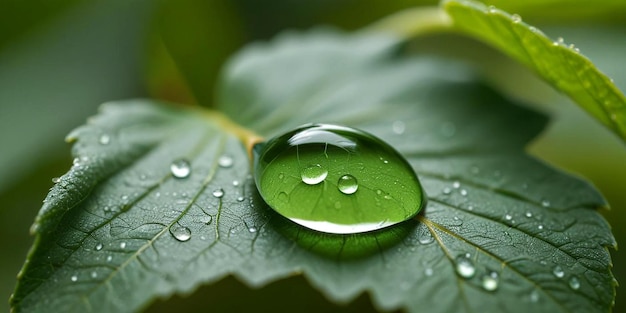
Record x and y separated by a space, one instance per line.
119 229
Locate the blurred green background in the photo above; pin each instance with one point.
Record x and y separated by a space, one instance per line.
60 59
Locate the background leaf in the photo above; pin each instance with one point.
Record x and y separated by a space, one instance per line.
559 64
487 199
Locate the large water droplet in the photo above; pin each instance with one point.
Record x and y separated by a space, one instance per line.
294 173
347 184
490 281
180 168
558 272
465 267
225 161
313 174
181 233
574 283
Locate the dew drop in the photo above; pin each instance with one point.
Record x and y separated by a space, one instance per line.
235 183
425 238
574 283
534 296
456 185
465 267
180 233
558 272
528 214
99 247
218 193
492 9
180 168
123 245
56 179
463 192
94 274
74 278
252 229
104 139
508 217
398 127
540 227
428 272
490 281
225 161
516 18
347 184
447 190
545 203
109 258
240 199
313 174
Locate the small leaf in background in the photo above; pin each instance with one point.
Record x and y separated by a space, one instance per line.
560 64
501 229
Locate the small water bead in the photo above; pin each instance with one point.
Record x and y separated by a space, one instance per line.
558 272
56 179
463 192
447 190
94 274
347 184
109 258
545 203
540 227
99 247
490 281
235 183
74 278
534 296
180 168
123 245
456 185
508 217
574 283
295 170
104 139
252 229
313 174
428 272
218 193
398 127
180 233
528 214
465 267
225 161
516 18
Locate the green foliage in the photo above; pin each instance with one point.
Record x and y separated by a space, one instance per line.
500 230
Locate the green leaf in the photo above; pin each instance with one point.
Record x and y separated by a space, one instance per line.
559 64
120 230
565 10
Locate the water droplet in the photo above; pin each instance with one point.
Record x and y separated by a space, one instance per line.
180 168
463 192
240 198
456 185
99 247
181 233
94 274
109 258
425 238
540 227
447 190
465 267
574 283
508 217
235 183
104 139
516 18
558 272
545 203
123 245
490 281
225 161
252 229
528 214
313 174
492 9
534 296
74 278
428 271
347 184
56 179
328 152
218 193
398 127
